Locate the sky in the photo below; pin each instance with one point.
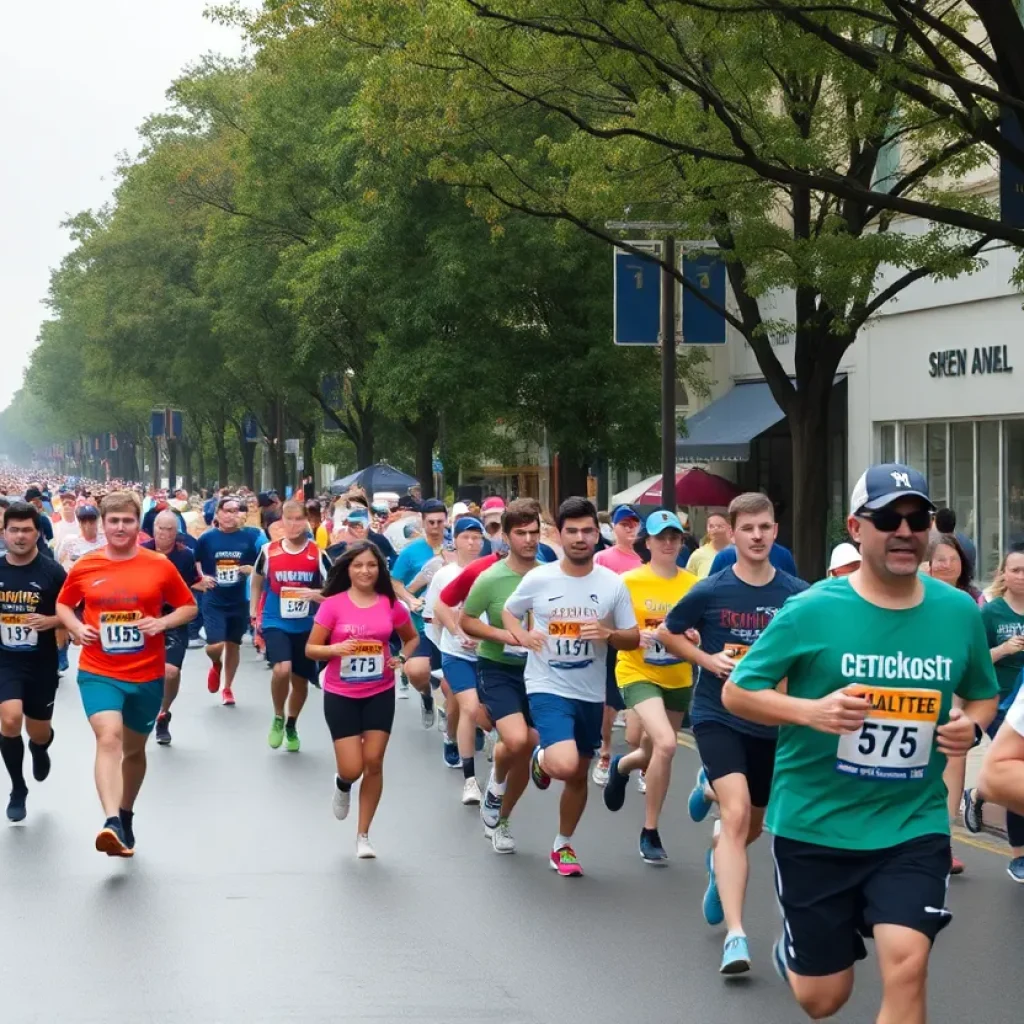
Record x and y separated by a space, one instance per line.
76 80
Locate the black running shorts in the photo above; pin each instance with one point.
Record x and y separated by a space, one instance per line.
352 716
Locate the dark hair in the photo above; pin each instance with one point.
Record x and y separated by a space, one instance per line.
945 520
520 512
963 581
575 508
339 580
19 511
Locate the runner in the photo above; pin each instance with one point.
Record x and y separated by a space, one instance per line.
729 610
296 570
458 657
570 603
66 523
34 497
1002 771
620 558
351 633
410 581
719 537
858 810
167 541
122 591
29 585
226 555
72 546
655 683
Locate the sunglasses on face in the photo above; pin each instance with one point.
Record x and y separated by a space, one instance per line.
888 520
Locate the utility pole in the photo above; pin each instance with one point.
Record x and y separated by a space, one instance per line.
668 377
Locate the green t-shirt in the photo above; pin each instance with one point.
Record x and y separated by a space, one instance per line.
1001 623
489 593
882 785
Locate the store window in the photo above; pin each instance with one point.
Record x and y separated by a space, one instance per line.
915 447
988 498
936 465
887 442
1013 488
961 464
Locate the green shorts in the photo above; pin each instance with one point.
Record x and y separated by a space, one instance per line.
676 699
137 703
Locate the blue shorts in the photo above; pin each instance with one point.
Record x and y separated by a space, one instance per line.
285 646
225 624
428 649
137 703
612 696
460 673
175 646
502 690
565 718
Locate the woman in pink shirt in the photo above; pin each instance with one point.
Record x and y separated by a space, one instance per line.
352 632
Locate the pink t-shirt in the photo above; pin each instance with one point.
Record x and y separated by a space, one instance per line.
618 561
366 672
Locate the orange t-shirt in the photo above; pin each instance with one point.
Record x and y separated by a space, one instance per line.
115 594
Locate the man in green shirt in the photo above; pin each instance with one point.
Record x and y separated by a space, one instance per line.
501 664
858 806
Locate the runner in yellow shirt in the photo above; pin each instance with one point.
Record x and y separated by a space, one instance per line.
654 683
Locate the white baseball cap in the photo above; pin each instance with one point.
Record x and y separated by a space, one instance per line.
843 554
460 508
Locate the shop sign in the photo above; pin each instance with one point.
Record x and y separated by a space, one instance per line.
955 362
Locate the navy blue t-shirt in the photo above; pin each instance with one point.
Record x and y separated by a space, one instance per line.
780 556
182 559
726 612
220 555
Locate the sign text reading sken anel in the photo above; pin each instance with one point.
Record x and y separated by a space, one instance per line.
952 362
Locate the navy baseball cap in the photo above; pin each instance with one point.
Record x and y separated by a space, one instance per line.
433 505
622 513
468 523
87 512
883 484
661 520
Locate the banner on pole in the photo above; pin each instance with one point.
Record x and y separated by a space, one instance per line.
703 325
637 297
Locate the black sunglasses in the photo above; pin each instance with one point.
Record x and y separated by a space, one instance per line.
888 520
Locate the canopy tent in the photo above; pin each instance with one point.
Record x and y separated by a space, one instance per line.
695 488
632 493
373 479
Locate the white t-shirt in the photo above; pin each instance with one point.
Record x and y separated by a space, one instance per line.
62 528
403 530
568 666
72 547
1015 716
442 637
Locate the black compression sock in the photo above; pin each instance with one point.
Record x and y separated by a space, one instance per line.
468 768
290 722
342 784
40 758
12 749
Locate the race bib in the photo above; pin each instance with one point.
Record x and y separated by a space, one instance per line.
228 573
895 741
514 650
566 648
293 605
735 651
119 634
365 664
657 653
16 635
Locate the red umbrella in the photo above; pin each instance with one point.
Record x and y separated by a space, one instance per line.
694 488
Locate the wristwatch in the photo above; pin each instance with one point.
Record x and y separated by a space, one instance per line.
402 658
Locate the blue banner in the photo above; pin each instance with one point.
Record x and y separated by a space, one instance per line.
703 325
637 299
250 427
1011 175
157 423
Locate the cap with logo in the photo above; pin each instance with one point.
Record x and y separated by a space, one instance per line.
87 512
888 482
468 523
622 513
661 520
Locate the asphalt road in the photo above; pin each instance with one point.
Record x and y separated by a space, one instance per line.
245 902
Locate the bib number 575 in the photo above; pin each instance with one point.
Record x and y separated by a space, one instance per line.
875 735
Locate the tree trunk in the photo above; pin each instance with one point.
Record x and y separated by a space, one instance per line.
172 464
425 435
308 443
186 467
201 459
572 479
156 462
809 428
365 446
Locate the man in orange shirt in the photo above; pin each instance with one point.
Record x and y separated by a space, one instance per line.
122 590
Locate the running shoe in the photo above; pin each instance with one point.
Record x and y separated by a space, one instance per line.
973 805
62 660
956 866
427 712
490 807
403 689
479 740
16 805
40 759
163 728
213 678
735 956
599 774
110 839
292 743
128 828
364 848
615 786
227 698
650 847
471 795
276 737
563 860
196 641
450 753
779 958
541 779
641 782
699 804
713 912
501 838
341 802
620 720
1015 869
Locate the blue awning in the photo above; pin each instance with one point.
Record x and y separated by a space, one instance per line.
723 430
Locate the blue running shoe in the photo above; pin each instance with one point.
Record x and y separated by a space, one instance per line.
779 958
972 811
735 956
698 804
16 805
713 912
451 754
541 779
650 847
1015 869
615 787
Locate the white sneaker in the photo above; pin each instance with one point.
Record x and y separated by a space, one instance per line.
471 793
641 782
403 689
620 720
600 771
341 803
501 838
364 848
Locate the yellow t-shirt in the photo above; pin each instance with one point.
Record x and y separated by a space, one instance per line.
700 561
653 597
323 538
